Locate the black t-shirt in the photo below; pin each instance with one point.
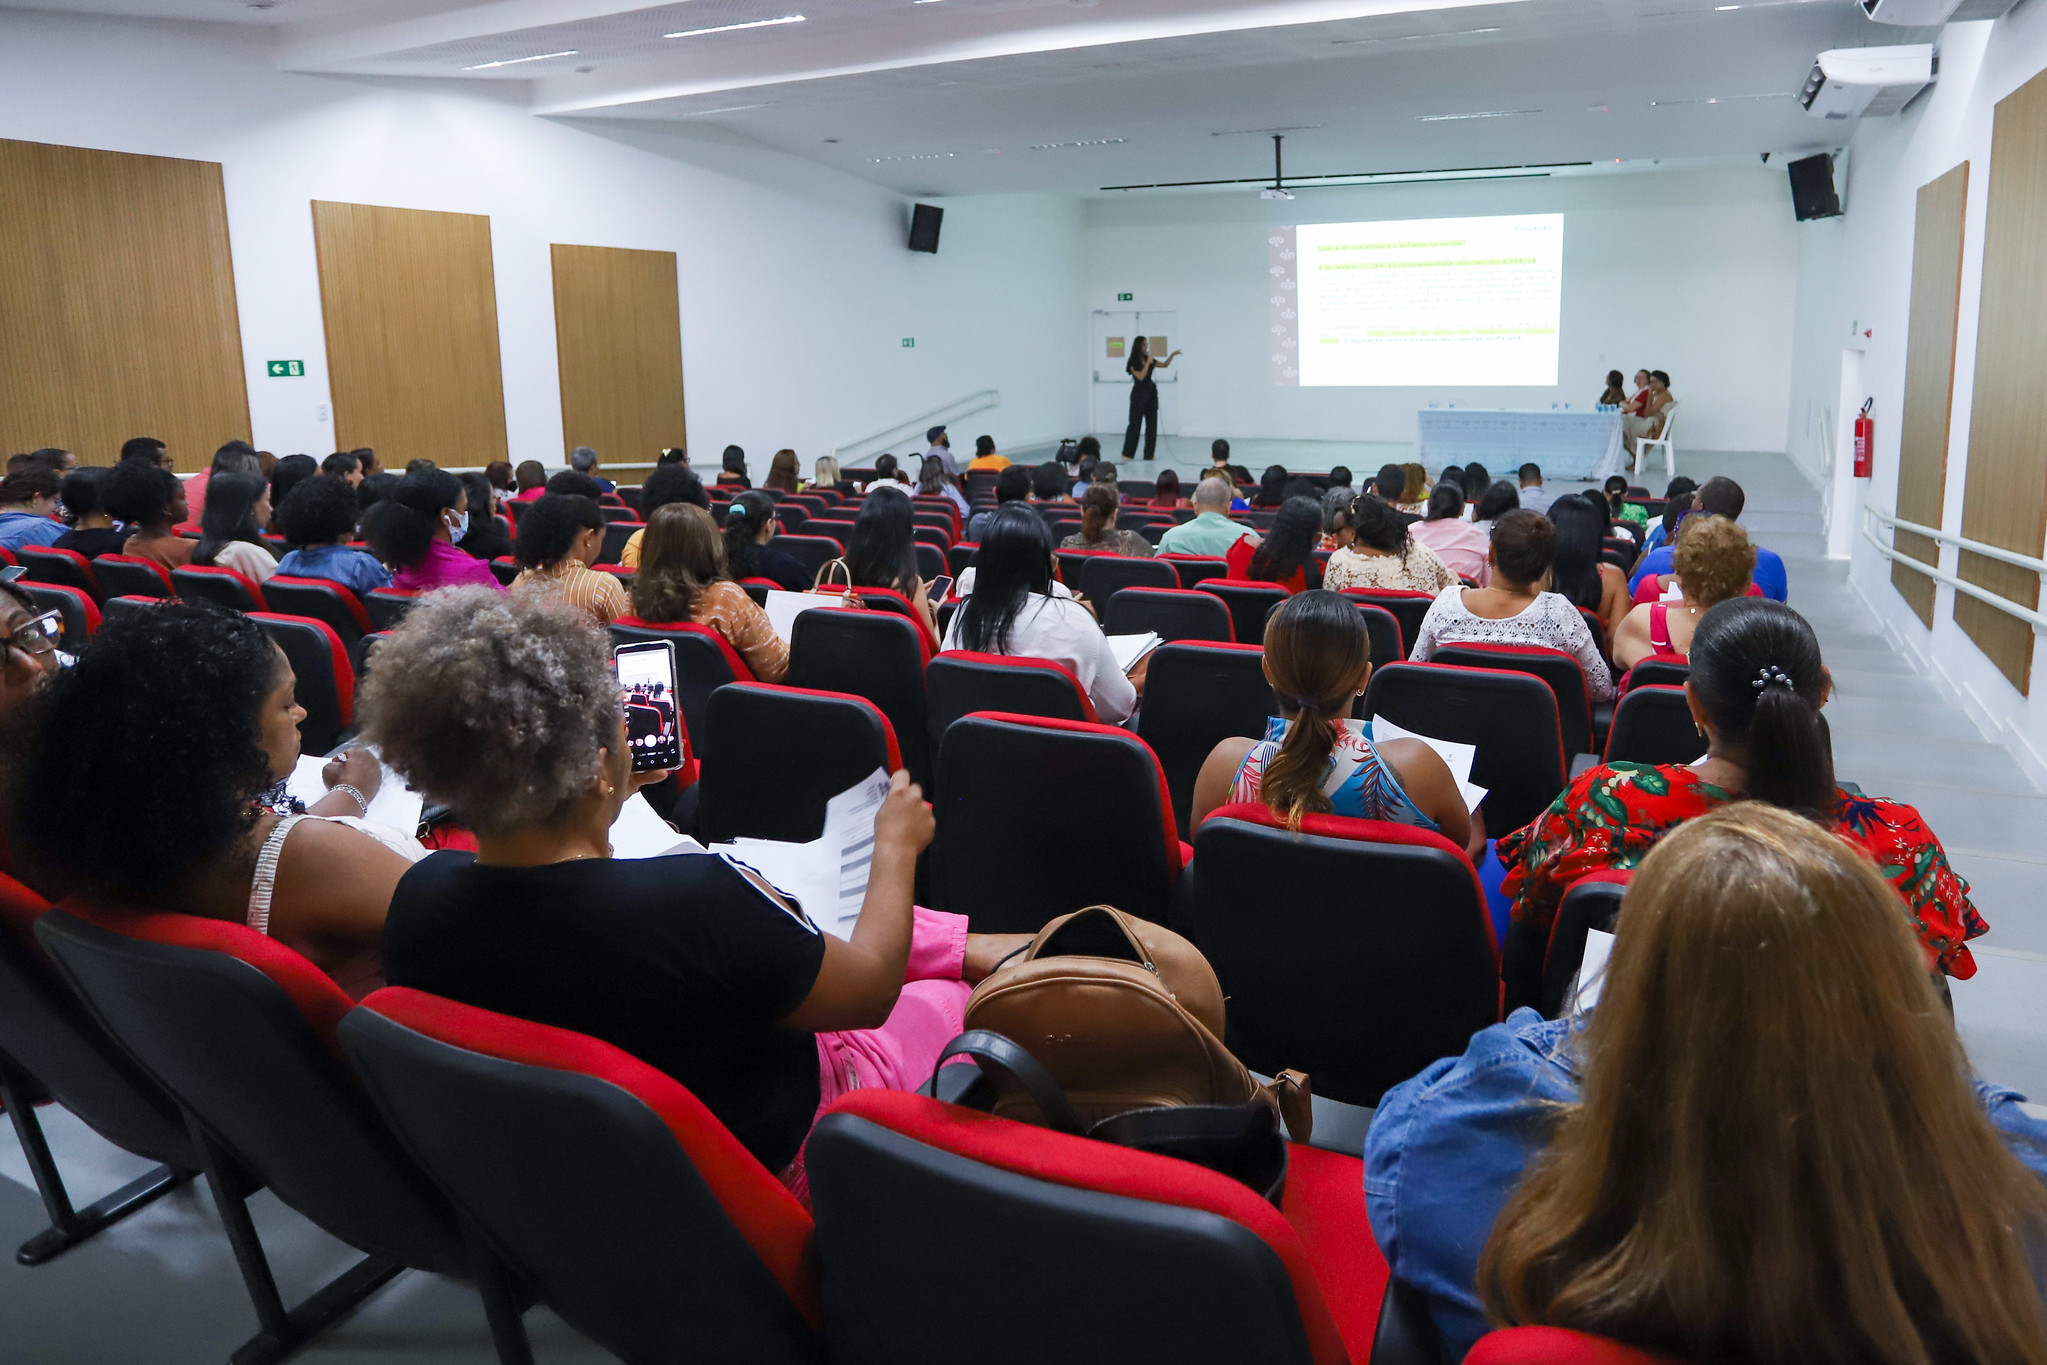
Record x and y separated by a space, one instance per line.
95 541
678 960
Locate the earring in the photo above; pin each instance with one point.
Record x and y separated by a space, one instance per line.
1700 728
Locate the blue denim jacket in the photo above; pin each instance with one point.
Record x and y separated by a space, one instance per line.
1447 1149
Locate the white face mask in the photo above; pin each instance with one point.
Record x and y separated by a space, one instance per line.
460 526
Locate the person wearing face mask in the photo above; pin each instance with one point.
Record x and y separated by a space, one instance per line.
415 531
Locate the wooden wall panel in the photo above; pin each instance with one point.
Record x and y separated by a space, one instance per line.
1929 377
410 304
2004 501
117 293
618 335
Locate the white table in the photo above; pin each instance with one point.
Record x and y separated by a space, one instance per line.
1574 445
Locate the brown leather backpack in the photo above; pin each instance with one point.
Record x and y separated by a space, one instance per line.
1125 1014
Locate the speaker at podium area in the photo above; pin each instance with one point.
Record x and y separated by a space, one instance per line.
924 221
1812 188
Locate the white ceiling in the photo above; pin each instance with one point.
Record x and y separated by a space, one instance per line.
983 96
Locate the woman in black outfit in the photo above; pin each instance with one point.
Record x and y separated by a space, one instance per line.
1144 398
749 526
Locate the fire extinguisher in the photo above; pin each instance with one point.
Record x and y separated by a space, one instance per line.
1865 440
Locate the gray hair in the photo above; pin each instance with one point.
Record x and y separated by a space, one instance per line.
583 459
1335 503
1214 494
494 704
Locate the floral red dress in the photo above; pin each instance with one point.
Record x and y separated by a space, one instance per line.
1611 816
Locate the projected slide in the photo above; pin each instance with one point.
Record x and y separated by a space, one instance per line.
1422 301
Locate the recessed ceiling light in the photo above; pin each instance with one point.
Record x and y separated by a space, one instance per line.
514 61
728 28
910 156
1083 142
1483 113
1410 37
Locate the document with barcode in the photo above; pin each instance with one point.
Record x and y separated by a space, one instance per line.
827 875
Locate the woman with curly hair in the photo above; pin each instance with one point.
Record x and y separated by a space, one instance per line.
204 827
559 539
318 519
1384 552
507 710
1714 562
414 531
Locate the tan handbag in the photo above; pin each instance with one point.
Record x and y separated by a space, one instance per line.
1124 1014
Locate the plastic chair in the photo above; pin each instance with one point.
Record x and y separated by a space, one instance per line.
841 740
63 568
960 681
132 576
323 600
597 1180
874 655
1196 694
326 676
1591 902
1103 576
81 613
1377 959
1001 775
895 603
1556 668
1249 603
1653 725
218 584
1510 716
704 662
1643 443
839 532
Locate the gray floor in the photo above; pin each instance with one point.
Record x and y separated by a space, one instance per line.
162 1287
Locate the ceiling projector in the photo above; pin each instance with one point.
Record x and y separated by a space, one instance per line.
1867 82
1275 192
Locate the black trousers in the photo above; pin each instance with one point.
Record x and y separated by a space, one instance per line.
1145 415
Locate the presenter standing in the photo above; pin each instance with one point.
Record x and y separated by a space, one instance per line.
1144 398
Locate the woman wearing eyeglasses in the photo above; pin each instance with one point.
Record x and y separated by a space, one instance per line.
31 634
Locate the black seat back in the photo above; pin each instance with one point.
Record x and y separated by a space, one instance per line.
326 677
1388 641
1556 668
1654 725
65 568
131 576
1589 903
1103 576
1408 608
81 614
745 793
322 600
1249 604
874 655
812 551
1510 717
1197 694
958 682
1172 613
1659 673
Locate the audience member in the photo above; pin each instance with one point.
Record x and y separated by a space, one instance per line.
676 455
318 520
28 508
569 483
828 474
374 488
1286 555
1314 760
750 526
782 473
1211 533
560 537
203 827
29 659
414 531
886 473
151 501
531 477
1385 552
487 538
92 530
882 553
1714 563
1632 515
1578 572
1013 484
683 577
941 450
1613 395
1633 407
690 963
1165 491
344 466
1728 1157
1475 481
1049 484
583 459
1219 461
1513 608
1098 525
503 482
1390 483
147 449
1338 529
1677 500
1016 608
934 482
1339 476
1300 486
1085 476
1271 488
732 467
1414 490
236 457
367 458
287 474
985 456
1534 497
668 483
422 465
53 458
1459 543
231 528
1756 688
1722 497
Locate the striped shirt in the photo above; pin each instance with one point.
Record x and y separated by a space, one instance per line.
600 594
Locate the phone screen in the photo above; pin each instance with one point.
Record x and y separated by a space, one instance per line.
646 682
937 589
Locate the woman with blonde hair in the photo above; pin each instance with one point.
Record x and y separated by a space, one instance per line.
1414 495
827 473
1764 1145
683 577
1714 563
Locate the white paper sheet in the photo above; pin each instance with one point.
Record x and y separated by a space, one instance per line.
1128 649
829 874
1592 970
395 805
639 833
784 607
1456 757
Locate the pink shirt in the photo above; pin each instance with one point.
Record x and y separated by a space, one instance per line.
1459 544
444 566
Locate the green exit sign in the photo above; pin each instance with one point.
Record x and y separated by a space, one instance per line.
1126 298
287 369
909 341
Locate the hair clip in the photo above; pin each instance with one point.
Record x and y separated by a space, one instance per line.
1772 676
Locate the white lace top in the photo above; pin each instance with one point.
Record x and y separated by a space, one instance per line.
1550 621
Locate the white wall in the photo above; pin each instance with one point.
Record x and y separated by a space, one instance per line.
1856 277
796 287
1688 271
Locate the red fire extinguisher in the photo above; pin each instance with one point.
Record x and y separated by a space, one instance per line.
1865 440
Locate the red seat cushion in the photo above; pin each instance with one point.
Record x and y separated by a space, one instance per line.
1325 1204
1556 1346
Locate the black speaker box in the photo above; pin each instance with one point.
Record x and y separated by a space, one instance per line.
1812 188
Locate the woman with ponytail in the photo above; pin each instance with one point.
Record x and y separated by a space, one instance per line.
1315 760
749 525
1756 689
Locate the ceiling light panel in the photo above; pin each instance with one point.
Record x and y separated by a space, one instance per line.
520 61
1482 113
1081 142
734 28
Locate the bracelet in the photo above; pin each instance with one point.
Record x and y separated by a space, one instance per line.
362 802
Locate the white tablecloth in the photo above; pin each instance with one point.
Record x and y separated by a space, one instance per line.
1568 445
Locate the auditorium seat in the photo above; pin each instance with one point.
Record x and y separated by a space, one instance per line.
66 568
1249 603
1408 608
1657 673
326 678
220 585
704 662
1078 1250
1072 563
939 537
322 599
1038 817
874 655
1556 668
959 681
1596 627
81 613
1197 694
599 1182
51 1048
1388 643
505 568
1653 725
364 650
1171 613
1556 1346
896 604
1103 576
1591 902
930 561
116 607
240 1030
790 516
839 532
1377 959
813 552
834 740
959 557
132 576
1510 716
616 534
387 606
1194 568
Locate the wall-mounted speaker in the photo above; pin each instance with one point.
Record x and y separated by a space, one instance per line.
1812 188
924 221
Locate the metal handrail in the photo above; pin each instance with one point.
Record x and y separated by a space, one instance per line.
979 401
1975 547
